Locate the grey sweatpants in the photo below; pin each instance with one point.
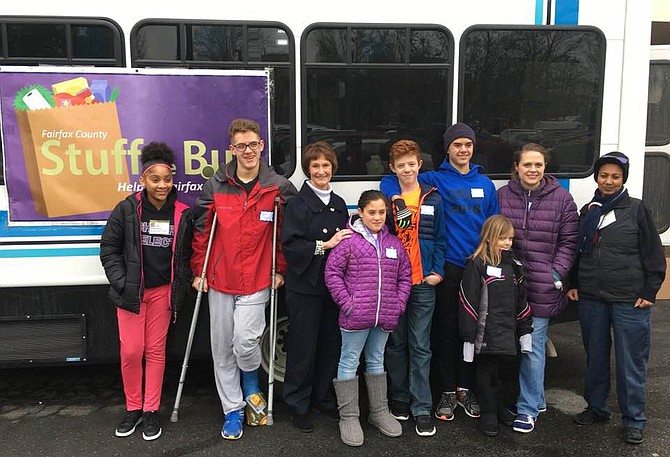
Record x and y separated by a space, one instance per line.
236 324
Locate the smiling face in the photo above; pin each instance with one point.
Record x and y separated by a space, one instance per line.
158 181
249 159
530 168
460 152
320 172
374 215
610 179
406 168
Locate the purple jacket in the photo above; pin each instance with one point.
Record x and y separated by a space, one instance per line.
545 239
370 279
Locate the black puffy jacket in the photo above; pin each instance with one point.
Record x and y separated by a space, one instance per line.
121 253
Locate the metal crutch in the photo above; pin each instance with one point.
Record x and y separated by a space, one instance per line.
273 315
191 333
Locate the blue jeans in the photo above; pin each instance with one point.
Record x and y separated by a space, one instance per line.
408 352
531 371
373 340
632 340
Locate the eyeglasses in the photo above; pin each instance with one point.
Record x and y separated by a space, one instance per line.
241 147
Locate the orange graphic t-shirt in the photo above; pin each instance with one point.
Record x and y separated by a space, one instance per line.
410 235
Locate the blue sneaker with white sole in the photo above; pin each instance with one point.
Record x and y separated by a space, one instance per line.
233 425
524 423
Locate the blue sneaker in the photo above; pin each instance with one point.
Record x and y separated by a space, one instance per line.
542 408
524 423
232 425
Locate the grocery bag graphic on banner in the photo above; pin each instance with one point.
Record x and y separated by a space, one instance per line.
70 137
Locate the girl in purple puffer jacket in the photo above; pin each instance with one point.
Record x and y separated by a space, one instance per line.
369 277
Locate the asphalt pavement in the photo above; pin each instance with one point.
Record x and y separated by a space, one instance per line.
73 411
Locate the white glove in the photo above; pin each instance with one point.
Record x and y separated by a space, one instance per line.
526 343
468 352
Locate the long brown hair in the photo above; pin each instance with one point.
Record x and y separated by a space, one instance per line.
494 228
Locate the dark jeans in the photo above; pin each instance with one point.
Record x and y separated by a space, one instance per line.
408 352
631 328
450 369
313 351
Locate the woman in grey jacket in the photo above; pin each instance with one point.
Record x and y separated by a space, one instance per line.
619 270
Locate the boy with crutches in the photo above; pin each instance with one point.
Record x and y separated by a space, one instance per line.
241 196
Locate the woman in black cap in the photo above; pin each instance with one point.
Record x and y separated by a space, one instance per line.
620 268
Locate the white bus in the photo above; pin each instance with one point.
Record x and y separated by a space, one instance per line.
569 74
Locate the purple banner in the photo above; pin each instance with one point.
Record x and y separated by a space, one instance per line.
71 141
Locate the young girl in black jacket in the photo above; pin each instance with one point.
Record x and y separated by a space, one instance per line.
145 251
494 315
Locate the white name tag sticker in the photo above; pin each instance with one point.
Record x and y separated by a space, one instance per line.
477 193
391 253
428 210
157 227
267 216
607 219
496 272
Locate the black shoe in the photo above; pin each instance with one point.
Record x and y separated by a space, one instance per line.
588 417
424 425
488 424
129 423
400 410
303 422
633 435
331 413
505 416
152 428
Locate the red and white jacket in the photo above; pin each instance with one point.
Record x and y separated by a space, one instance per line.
240 260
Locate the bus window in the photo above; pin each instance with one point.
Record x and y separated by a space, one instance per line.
658 103
365 87
533 84
29 40
230 45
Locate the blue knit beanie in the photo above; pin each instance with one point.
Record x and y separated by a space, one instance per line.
458 130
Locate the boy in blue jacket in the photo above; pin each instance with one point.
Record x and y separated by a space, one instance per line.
419 223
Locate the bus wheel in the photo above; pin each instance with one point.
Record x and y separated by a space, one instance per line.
280 349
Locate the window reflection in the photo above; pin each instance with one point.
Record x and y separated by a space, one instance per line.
216 42
429 46
326 45
157 42
543 86
378 46
363 107
36 40
658 105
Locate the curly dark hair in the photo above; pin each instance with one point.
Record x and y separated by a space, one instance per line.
157 152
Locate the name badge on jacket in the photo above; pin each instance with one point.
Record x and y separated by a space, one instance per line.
496 272
267 216
391 253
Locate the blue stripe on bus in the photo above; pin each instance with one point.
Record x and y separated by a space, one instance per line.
567 12
539 12
47 230
58 252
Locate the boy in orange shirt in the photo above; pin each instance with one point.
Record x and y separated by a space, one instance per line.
418 222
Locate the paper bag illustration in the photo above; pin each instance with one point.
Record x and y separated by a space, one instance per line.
70 158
